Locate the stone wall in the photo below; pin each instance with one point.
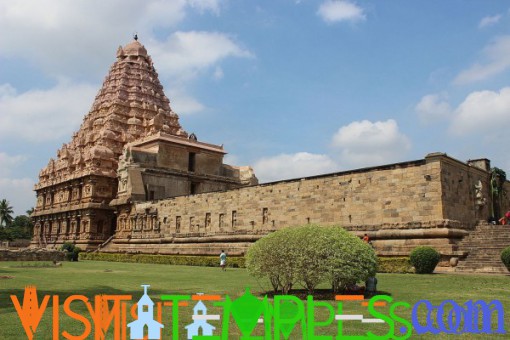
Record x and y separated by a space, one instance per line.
31 255
393 195
460 201
434 201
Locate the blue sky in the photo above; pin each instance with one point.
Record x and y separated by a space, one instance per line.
292 88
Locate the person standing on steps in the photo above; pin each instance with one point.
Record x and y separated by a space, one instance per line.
223 260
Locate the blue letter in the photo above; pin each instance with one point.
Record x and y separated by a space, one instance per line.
429 327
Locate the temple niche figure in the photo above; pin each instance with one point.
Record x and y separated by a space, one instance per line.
480 200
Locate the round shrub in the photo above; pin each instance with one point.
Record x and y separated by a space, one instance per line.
424 259
311 255
72 251
505 257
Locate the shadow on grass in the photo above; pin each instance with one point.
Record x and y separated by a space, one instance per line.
318 294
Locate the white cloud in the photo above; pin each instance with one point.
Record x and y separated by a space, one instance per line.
287 166
84 32
7 163
183 103
206 5
231 159
185 54
40 115
363 143
489 21
19 193
497 61
218 73
433 107
79 39
483 111
340 10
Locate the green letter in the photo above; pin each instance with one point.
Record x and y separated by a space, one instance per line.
310 308
175 311
287 314
381 316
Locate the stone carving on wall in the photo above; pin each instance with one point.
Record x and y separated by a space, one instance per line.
480 200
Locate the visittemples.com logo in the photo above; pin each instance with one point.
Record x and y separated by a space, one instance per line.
285 317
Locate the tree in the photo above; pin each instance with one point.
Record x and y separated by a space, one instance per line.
5 213
22 227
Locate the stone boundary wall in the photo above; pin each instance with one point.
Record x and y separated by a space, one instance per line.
436 201
31 254
400 206
17 243
393 195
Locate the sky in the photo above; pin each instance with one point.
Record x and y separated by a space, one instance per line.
292 88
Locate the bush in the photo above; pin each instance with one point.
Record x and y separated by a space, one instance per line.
310 255
72 251
424 259
180 260
394 265
505 257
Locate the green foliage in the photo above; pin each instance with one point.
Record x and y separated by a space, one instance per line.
394 265
505 257
310 255
202 261
424 259
498 179
268 258
72 251
20 227
5 213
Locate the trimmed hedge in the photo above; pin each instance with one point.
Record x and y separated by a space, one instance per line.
385 264
505 257
179 260
394 265
424 259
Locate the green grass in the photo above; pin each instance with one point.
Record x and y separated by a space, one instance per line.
91 278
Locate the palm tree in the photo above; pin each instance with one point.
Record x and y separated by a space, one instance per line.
5 213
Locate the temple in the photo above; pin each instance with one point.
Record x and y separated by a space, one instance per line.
130 130
133 181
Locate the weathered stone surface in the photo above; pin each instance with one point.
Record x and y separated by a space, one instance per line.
31 255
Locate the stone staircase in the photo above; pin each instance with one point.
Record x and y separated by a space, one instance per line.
484 246
104 245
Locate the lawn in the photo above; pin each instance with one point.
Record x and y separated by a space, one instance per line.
93 278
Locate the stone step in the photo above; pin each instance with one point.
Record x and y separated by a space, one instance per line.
480 264
484 239
481 271
483 246
479 252
475 262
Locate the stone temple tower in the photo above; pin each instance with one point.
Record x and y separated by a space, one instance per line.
75 189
